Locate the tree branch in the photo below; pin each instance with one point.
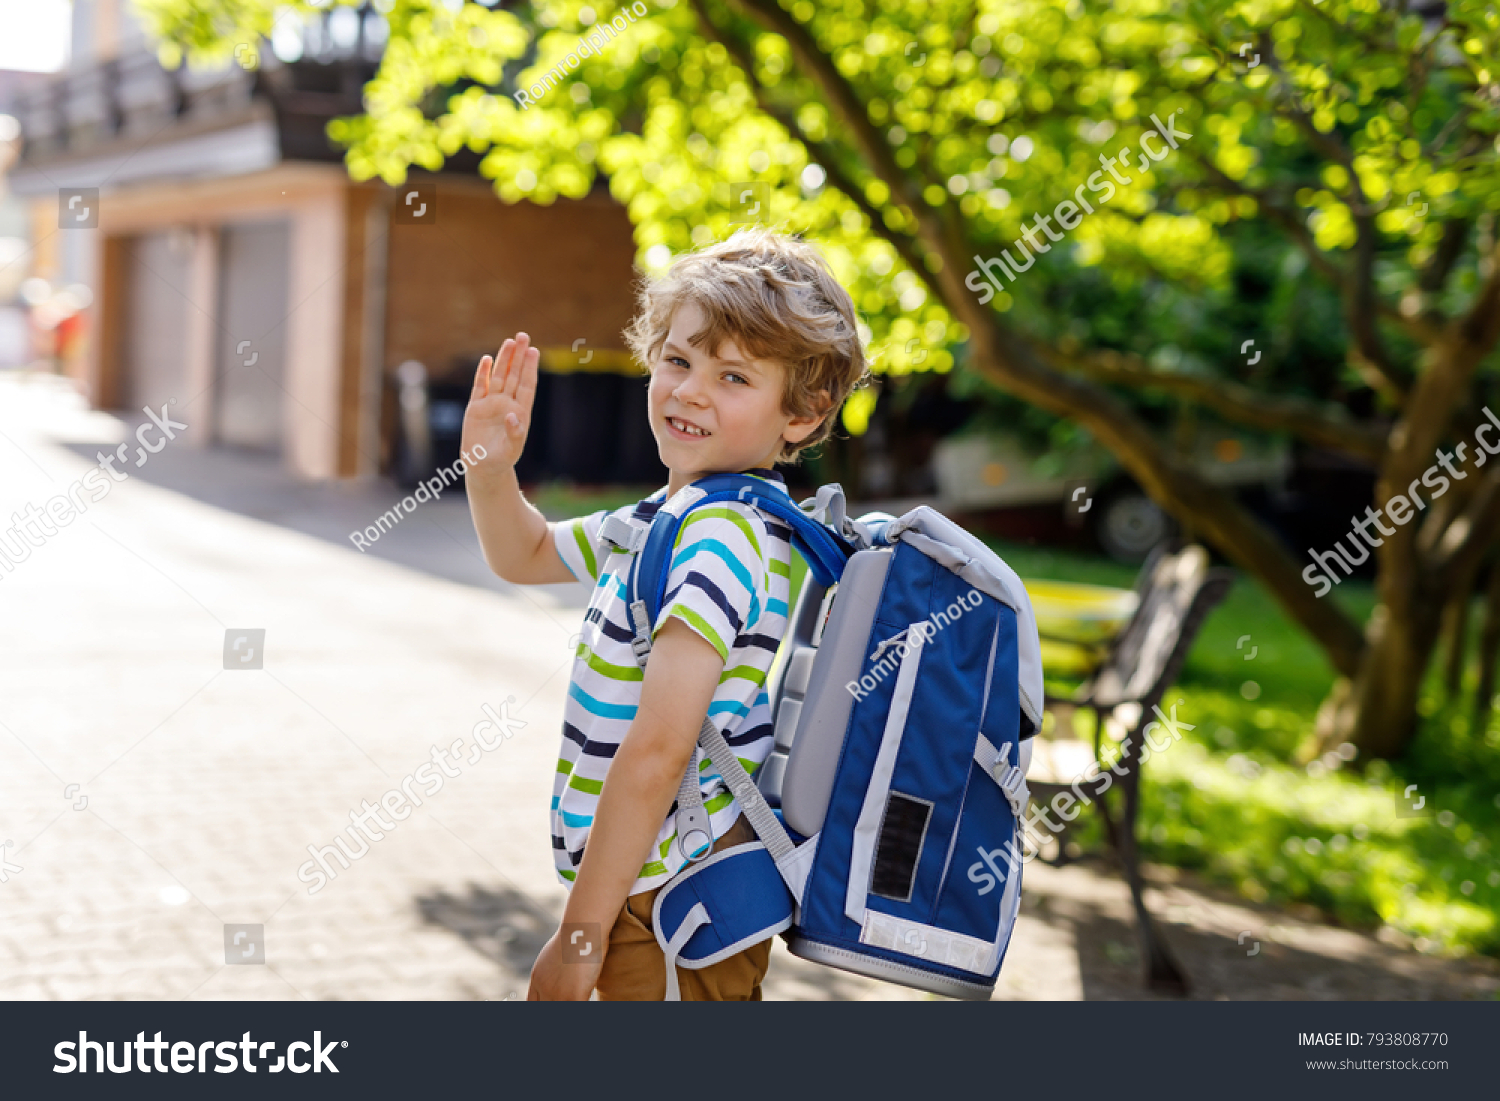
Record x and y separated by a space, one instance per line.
1323 424
1479 328
1472 533
1361 302
1423 329
1368 354
1449 249
1293 226
1439 390
1167 480
1477 527
819 68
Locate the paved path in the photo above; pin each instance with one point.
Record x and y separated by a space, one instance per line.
201 788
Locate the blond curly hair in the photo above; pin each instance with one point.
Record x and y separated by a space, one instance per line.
775 297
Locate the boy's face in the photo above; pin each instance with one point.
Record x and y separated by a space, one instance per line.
736 400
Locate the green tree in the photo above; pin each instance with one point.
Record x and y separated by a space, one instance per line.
915 142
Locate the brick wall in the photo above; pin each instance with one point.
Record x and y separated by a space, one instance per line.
456 289
484 270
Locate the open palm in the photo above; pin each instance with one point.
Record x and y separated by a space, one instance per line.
499 414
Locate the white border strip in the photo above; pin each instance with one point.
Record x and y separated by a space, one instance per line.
866 829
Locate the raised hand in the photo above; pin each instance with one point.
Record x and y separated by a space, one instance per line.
499 414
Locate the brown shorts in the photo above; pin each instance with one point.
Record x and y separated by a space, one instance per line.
635 970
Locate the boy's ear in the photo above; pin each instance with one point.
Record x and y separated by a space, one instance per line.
799 428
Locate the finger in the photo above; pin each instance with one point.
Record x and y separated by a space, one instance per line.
502 367
518 356
526 391
482 378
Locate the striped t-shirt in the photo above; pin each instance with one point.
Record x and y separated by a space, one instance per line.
730 581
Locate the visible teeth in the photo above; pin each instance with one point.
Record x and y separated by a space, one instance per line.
688 428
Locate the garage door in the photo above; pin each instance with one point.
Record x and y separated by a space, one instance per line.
156 316
251 335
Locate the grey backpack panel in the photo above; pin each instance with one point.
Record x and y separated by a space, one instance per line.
817 724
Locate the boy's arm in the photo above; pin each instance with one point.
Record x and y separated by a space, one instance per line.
647 769
516 538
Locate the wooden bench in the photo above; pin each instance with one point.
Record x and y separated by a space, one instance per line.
1177 590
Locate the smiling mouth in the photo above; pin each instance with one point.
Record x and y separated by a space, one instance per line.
688 429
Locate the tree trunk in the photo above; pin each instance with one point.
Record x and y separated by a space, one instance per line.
1386 690
1489 645
1377 710
1455 630
1379 713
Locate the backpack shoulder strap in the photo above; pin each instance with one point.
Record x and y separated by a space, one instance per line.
825 549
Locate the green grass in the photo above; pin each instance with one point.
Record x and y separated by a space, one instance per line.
564 500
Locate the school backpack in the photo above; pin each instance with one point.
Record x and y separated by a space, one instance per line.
888 811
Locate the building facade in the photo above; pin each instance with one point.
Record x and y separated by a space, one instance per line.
238 272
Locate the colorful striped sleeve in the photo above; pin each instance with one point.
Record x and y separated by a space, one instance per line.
577 543
717 581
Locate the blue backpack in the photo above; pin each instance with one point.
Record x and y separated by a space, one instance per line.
887 813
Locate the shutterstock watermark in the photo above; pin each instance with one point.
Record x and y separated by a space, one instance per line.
192 1056
1398 509
397 802
597 39
430 490
986 870
1069 213
34 527
898 643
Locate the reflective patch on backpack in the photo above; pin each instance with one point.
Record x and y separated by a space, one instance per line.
926 942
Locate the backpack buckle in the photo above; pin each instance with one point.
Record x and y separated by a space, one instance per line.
1013 784
622 533
1012 781
641 643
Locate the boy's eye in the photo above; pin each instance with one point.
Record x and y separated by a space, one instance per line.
679 361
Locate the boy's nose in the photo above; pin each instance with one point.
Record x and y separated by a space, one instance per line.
689 391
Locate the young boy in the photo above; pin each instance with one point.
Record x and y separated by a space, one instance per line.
752 346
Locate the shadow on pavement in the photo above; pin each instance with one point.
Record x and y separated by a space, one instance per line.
1232 948
501 924
509 929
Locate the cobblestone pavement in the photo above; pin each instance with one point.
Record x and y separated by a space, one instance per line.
150 796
